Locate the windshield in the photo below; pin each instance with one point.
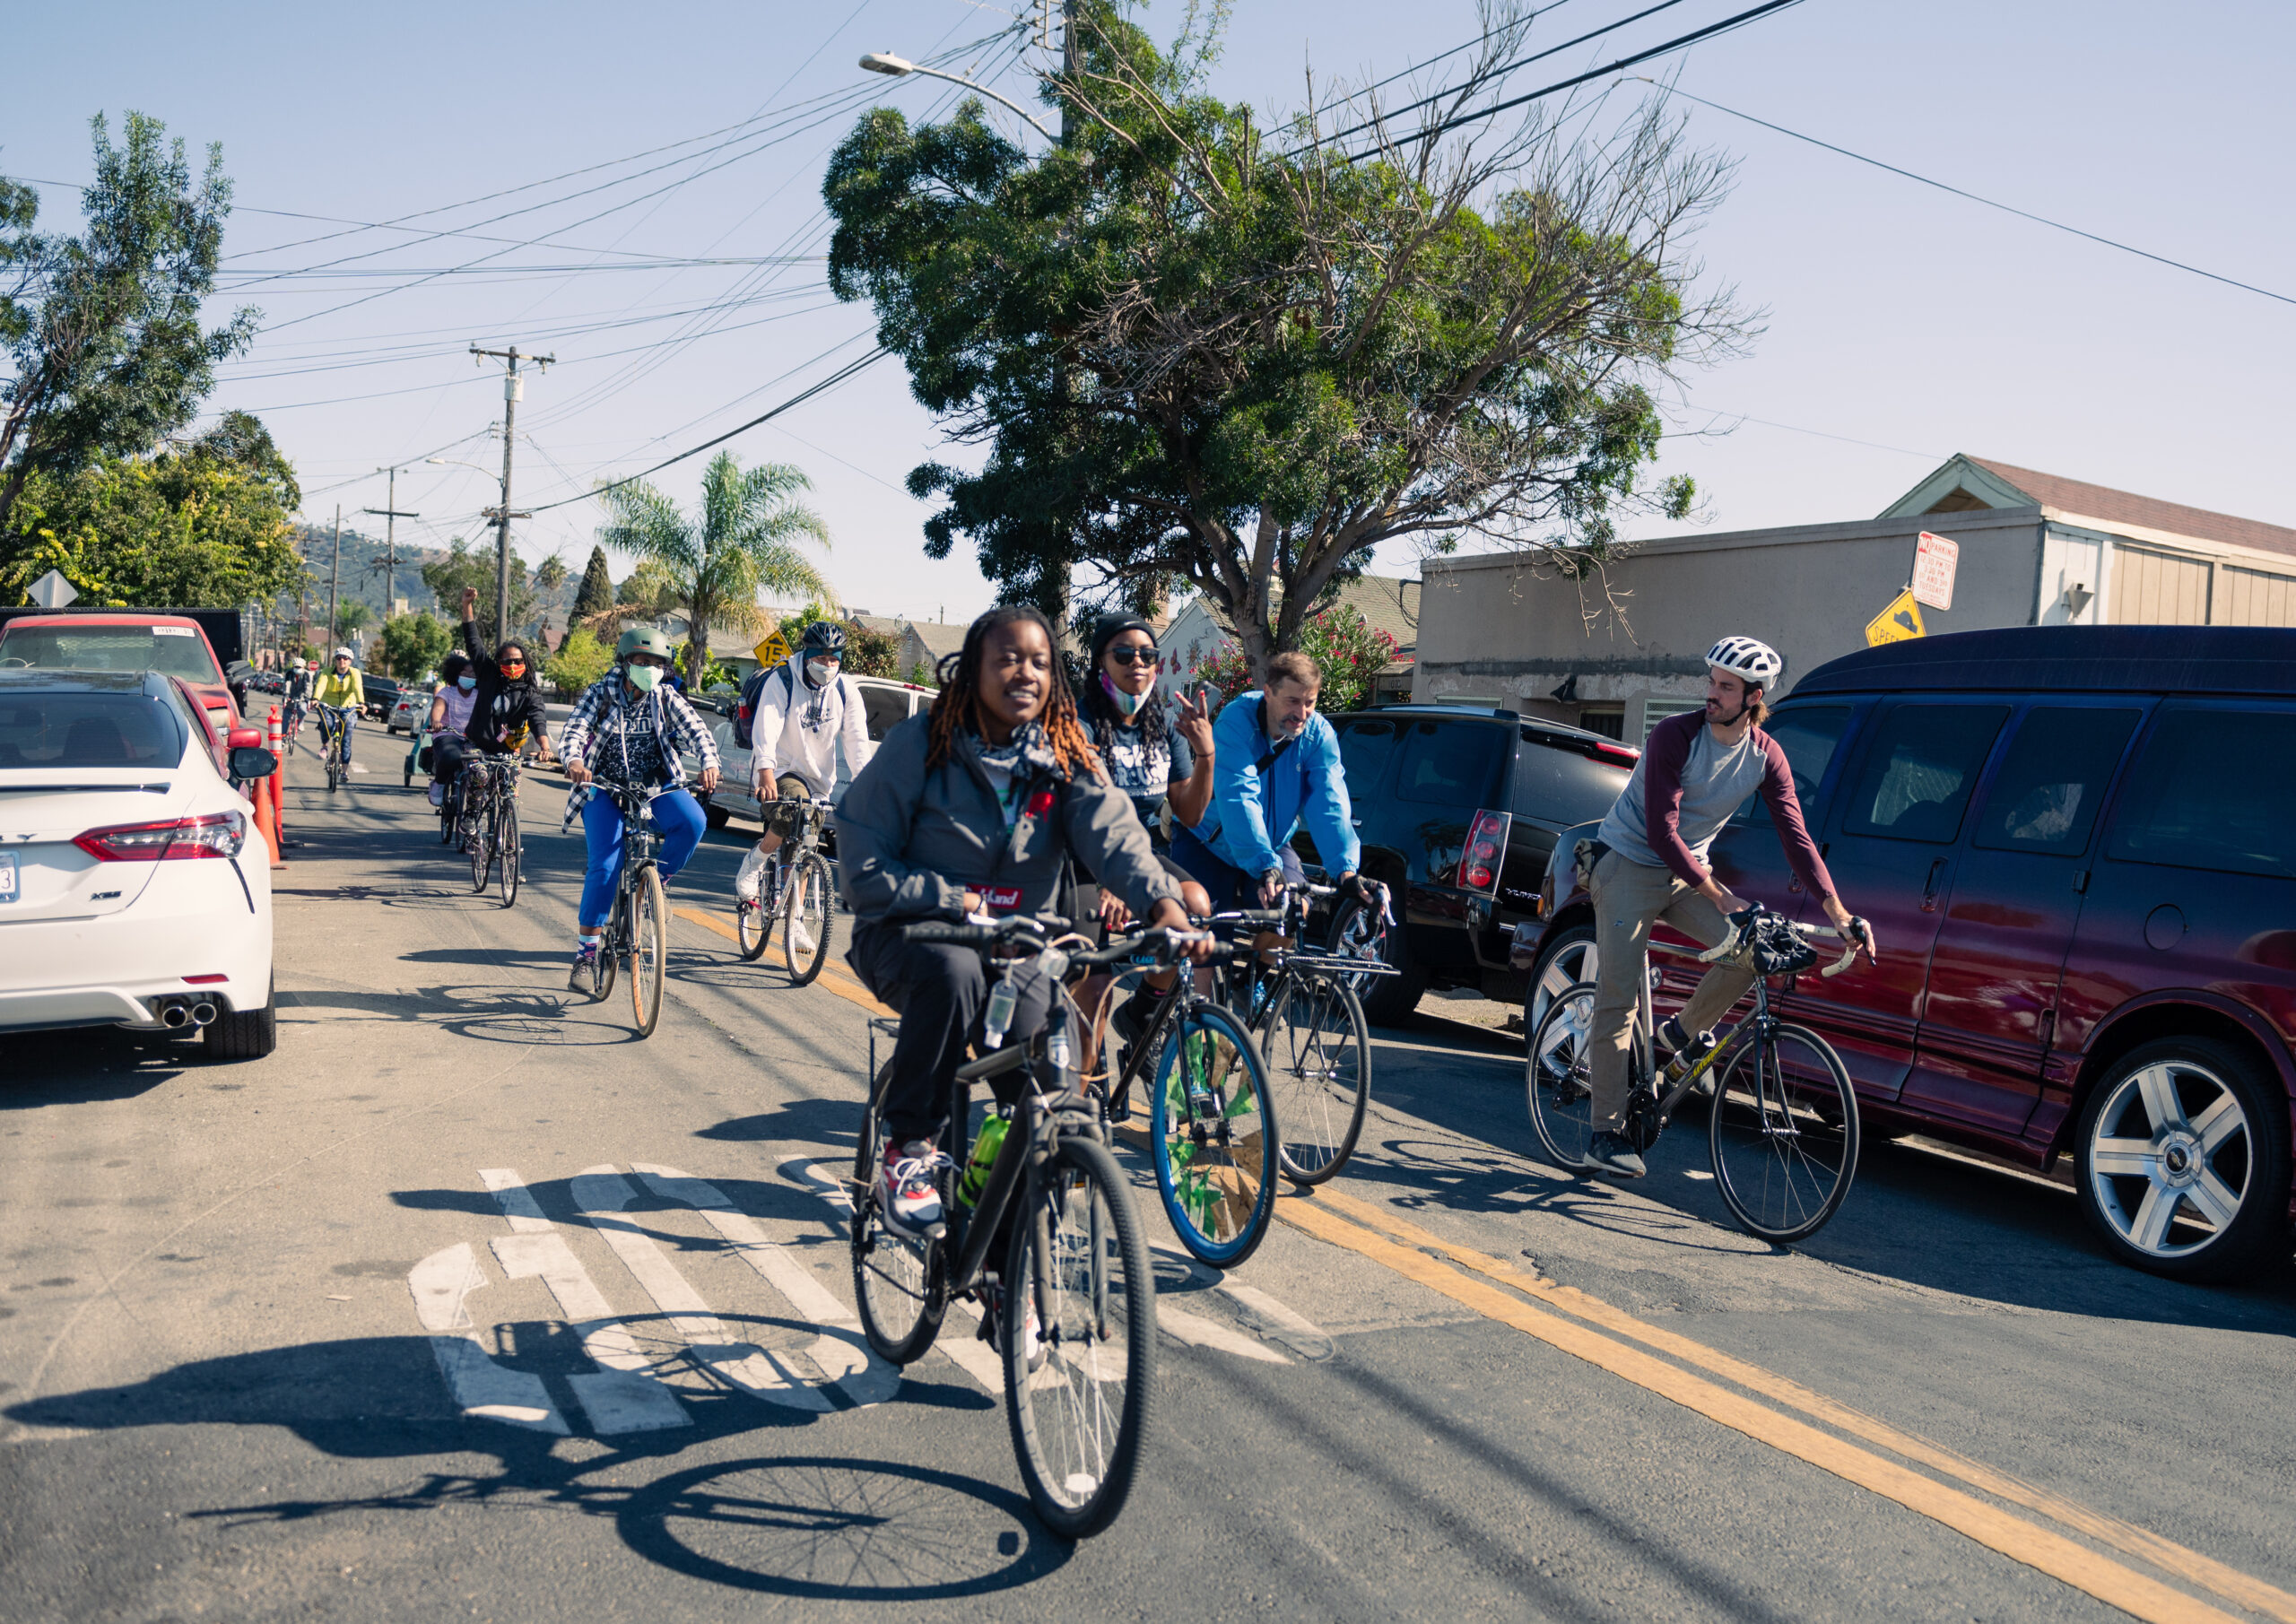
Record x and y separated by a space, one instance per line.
87 730
175 651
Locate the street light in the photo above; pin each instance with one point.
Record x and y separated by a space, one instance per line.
896 67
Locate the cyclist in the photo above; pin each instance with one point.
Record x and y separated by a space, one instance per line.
1276 768
451 710
298 695
630 726
974 808
343 687
505 705
1648 863
799 712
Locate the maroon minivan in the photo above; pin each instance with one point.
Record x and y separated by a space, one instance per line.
2077 845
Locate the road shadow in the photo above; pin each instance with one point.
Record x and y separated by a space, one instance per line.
783 1520
769 1196
90 1065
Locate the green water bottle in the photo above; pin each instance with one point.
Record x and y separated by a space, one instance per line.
983 1156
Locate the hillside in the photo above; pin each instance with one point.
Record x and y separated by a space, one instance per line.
362 575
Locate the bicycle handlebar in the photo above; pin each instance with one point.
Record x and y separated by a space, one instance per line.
1735 940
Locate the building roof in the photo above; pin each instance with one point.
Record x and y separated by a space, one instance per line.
2090 659
939 636
1965 483
1390 603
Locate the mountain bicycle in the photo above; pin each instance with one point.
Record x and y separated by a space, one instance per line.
1071 1298
1781 1116
794 888
332 738
488 818
638 927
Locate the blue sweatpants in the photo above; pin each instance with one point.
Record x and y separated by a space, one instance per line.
677 814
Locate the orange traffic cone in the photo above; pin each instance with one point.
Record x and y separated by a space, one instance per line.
264 824
274 789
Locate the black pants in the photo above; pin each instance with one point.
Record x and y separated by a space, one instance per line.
447 751
941 991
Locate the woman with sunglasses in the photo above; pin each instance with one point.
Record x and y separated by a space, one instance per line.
506 706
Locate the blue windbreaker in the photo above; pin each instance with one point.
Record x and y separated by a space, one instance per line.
1254 812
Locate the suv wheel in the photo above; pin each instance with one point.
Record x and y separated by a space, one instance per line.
2180 1159
1569 958
246 1034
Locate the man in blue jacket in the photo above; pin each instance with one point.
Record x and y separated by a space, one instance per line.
1275 765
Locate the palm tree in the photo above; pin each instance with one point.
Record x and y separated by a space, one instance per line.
743 539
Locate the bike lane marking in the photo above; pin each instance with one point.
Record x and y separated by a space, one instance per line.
442 1284
2109 1581
623 1395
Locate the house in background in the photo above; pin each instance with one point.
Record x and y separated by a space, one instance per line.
922 645
1625 649
1389 604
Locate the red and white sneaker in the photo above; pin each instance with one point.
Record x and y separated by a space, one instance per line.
909 1196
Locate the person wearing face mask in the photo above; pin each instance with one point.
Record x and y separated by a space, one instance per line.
628 726
451 710
505 703
799 712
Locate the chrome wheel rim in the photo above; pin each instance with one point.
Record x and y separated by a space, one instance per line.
1575 961
2171 1157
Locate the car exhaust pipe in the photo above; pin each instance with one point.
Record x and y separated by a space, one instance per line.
202 1014
175 1015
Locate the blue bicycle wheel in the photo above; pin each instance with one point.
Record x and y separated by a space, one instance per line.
1212 1132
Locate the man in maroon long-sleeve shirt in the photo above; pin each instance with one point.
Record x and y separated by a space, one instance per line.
1697 769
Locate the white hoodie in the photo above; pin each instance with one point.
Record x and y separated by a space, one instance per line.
797 727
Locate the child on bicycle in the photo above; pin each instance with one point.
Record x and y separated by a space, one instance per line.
975 808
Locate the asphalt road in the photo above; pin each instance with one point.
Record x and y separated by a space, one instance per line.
1455 1384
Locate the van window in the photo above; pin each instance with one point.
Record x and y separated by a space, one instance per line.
1364 747
880 708
2213 790
1557 785
1453 764
1923 762
1808 734
2046 795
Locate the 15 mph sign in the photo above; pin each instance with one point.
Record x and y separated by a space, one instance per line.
1934 560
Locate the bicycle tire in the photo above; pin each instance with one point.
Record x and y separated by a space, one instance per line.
479 841
449 814
507 851
649 949
1078 1257
1217 1175
900 1282
808 889
754 923
1783 1130
1556 1081
1318 1047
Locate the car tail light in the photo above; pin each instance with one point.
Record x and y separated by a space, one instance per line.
216 835
1486 851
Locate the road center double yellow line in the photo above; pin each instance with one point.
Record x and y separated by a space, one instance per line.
1590 1329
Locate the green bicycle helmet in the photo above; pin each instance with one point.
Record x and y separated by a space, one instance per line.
641 640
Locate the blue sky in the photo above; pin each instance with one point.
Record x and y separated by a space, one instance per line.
1902 324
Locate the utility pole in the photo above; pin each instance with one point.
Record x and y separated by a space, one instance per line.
514 389
390 517
334 583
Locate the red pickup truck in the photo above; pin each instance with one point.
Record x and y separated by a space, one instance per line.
174 643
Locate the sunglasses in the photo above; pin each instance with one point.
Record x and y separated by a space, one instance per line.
1136 656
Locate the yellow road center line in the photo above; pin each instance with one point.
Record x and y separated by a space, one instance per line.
2164 1553
2111 1581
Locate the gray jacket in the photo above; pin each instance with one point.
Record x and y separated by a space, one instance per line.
910 843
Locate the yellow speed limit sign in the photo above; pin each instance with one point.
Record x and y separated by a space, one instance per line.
772 651
1901 619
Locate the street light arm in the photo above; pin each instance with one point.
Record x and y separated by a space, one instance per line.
879 62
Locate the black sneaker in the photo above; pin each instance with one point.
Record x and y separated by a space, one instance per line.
1615 1154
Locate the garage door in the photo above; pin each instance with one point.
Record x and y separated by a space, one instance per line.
2151 588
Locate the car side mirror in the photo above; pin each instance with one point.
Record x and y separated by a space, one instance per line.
253 761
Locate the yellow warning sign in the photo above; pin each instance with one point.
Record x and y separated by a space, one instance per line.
772 651
1901 619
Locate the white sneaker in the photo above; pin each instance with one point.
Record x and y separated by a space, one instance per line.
438 795
801 938
747 877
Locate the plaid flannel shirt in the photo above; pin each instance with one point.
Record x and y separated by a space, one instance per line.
604 718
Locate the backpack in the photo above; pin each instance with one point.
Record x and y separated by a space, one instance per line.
745 709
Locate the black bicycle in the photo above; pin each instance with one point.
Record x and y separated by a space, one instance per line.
639 928
1781 1117
334 743
796 891
488 819
1041 1228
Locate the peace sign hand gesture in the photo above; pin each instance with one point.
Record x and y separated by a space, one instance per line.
1194 721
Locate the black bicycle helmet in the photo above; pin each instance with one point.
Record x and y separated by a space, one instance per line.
825 638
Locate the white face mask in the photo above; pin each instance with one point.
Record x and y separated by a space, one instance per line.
819 672
644 678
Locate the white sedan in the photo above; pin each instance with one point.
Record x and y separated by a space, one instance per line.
135 889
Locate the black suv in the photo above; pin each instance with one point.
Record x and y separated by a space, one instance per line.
1458 811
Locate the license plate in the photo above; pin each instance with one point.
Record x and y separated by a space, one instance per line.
7 876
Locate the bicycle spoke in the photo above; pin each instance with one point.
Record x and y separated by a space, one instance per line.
1784 1132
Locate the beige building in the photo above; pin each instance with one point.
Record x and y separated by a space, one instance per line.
1389 604
1624 649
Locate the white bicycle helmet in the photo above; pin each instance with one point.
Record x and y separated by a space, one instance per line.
1753 662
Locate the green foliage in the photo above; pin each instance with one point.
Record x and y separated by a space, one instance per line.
465 567
745 538
412 645
714 672
1347 648
107 352
1225 672
580 660
596 593
550 575
350 615
1196 353
871 654
923 675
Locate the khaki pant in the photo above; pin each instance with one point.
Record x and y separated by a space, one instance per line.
1628 898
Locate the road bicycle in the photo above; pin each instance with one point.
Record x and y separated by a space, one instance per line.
637 929
795 889
334 739
487 816
1781 1116
1070 1296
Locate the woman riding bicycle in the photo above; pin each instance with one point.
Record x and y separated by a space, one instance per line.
451 710
505 705
628 726
972 808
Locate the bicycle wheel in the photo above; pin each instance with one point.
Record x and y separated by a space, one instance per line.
805 919
450 813
649 948
479 840
900 1282
1212 1130
1556 1076
1784 1132
1318 1053
1078 1393
506 851
753 920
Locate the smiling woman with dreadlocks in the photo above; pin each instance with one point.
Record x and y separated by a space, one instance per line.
975 807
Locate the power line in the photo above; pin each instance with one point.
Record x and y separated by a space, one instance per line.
2056 225
1480 39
